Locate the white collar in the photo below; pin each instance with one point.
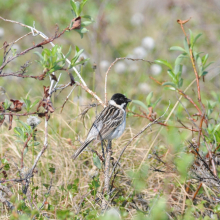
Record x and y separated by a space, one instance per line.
112 102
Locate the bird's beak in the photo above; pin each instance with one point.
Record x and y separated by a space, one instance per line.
129 100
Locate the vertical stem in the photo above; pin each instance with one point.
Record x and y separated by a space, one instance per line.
94 80
106 174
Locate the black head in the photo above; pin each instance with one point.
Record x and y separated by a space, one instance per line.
120 99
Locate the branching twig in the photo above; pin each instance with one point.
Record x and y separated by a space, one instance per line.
106 174
112 64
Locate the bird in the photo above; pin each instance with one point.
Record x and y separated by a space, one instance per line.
109 124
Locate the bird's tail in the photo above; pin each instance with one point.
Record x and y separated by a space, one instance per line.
81 149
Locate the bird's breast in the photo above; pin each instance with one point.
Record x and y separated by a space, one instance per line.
119 130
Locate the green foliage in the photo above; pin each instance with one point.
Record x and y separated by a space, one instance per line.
77 7
149 102
158 209
75 61
94 185
138 177
7 104
52 60
28 105
96 161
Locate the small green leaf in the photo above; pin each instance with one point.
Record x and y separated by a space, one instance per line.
204 59
46 185
164 62
178 67
180 83
87 17
205 67
83 2
196 38
140 103
25 126
39 54
169 84
177 48
25 150
155 103
52 170
148 99
204 73
96 161
191 38
67 55
34 103
18 131
217 127
172 75
86 23
7 166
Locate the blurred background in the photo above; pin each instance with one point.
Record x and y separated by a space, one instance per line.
133 28
143 29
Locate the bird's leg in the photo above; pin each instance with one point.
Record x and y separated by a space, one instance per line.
106 175
103 151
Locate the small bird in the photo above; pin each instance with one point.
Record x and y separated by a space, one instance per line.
109 124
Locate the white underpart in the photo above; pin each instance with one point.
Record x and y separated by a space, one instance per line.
119 130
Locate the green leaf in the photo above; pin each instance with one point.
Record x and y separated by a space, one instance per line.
39 54
217 127
87 17
180 83
205 67
26 126
46 185
148 99
172 75
139 177
7 167
204 59
86 23
155 103
83 2
177 48
140 103
75 7
96 161
169 84
18 131
191 38
34 103
52 170
83 30
204 73
164 62
7 104
36 143
67 55
196 38
178 67
27 104
25 150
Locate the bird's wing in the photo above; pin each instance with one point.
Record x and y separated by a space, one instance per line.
109 119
